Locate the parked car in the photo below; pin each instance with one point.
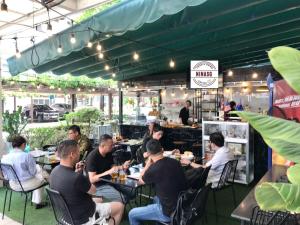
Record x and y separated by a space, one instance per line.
42 113
62 108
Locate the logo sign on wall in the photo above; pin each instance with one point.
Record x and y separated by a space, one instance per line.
204 74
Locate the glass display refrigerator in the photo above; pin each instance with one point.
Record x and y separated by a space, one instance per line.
239 140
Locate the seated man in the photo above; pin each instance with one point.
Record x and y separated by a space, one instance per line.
82 140
30 174
76 188
221 157
168 178
100 164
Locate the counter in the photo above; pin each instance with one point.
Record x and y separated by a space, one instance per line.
187 134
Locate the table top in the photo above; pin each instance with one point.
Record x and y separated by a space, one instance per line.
45 160
128 182
131 142
244 210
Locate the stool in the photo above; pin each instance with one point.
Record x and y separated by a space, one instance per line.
180 145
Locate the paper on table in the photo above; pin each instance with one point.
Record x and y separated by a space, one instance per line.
135 176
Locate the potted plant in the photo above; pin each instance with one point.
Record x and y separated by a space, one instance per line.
282 136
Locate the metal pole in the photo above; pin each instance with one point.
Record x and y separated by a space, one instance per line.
110 102
73 100
1 96
120 106
15 103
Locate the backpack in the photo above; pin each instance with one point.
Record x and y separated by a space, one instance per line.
196 177
190 205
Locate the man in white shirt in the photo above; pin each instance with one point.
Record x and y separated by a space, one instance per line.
29 173
221 157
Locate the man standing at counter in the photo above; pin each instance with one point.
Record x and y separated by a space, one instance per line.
184 112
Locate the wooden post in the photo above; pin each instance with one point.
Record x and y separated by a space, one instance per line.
110 103
102 103
120 106
1 137
15 103
138 109
31 109
73 102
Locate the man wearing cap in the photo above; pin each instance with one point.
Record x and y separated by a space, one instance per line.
169 180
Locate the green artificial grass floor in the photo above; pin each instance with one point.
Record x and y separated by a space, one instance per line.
45 215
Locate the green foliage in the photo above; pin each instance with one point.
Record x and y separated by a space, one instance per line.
90 12
284 138
14 123
88 115
278 196
39 137
286 61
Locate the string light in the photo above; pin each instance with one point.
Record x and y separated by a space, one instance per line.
136 87
230 73
106 67
101 56
73 39
113 74
89 44
172 63
123 84
99 47
59 49
254 75
78 89
93 89
127 86
136 56
59 89
173 93
181 87
4 6
38 87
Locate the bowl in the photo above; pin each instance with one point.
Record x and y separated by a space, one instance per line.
188 157
167 153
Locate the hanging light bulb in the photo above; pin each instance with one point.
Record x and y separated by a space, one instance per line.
99 47
4 6
89 44
127 86
38 87
78 89
230 73
106 67
136 56
172 63
108 88
73 39
101 56
59 49
113 74
49 29
12 83
123 84
59 89
136 87
254 75
181 87
185 93
173 93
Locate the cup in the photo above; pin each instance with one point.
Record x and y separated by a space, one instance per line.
115 174
122 175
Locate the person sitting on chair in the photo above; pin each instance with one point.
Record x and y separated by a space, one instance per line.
29 173
221 157
82 140
100 164
76 188
167 176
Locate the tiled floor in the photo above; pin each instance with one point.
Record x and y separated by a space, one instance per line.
7 221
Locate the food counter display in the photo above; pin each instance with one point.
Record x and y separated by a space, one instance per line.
239 140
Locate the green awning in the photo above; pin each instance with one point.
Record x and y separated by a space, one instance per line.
237 33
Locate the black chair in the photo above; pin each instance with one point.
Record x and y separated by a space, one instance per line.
204 176
11 175
5 185
61 211
197 208
260 217
226 181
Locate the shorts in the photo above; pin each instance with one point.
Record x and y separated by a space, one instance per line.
102 213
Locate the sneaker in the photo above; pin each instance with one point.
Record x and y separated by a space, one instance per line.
41 205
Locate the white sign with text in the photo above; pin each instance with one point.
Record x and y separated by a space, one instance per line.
204 74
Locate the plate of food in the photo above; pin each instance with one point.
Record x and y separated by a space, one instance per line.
187 155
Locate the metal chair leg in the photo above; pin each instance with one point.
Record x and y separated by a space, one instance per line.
9 200
25 208
233 195
4 204
215 202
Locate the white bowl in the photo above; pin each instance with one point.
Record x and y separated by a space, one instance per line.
188 157
167 153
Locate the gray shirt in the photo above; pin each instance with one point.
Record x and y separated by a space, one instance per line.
22 162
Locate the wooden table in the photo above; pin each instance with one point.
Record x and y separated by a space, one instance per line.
244 211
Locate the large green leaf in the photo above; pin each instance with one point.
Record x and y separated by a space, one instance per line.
278 196
283 136
293 174
286 61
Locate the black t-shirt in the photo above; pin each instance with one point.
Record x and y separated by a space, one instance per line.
184 115
95 162
73 187
168 177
